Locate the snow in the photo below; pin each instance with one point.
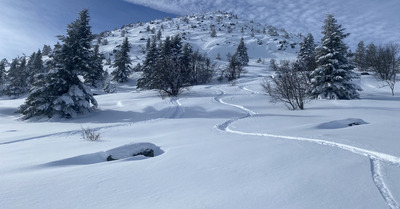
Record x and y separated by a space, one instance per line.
220 145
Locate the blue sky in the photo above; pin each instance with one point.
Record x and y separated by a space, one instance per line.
25 25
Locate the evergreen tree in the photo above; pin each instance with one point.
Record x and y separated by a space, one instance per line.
306 55
95 77
213 32
159 35
332 79
122 63
31 70
360 56
17 78
148 44
241 55
2 74
172 67
77 45
234 69
150 65
35 66
46 51
60 93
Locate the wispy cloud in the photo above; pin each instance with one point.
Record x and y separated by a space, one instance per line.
368 20
22 29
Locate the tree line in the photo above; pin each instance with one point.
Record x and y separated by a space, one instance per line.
328 71
61 87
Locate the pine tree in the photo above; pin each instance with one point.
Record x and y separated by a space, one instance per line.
77 44
17 78
159 35
35 66
234 68
172 67
360 56
60 93
46 51
150 65
2 74
306 55
332 79
95 77
213 32
241 55
122 63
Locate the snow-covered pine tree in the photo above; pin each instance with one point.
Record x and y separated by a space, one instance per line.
172 67
35 66
46 50
122 63
360 56
17 78
79 55
332 79
150 64
241 55
306 55
2 74
95 77
77 44
60 93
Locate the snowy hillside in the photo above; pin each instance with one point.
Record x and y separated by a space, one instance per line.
220 145
196 29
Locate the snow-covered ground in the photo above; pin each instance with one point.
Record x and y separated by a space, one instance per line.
218 145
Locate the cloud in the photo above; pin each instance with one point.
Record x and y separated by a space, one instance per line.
22 30
368 20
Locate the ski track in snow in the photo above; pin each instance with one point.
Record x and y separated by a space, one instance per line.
376 158
179 109
376 170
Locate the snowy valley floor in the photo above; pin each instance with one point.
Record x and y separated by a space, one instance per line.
217 146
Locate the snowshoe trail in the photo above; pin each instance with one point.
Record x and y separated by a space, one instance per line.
376 158
179 109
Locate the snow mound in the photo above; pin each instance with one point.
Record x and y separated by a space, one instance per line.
134 151
342 123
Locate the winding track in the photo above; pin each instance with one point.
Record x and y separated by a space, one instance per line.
376 158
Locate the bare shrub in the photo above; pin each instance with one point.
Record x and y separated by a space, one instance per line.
288 85
90 134
386 64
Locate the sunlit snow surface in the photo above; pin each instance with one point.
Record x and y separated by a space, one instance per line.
219 145
264 157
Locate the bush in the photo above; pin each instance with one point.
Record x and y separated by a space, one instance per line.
90 134
288 85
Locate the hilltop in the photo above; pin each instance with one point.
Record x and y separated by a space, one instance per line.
263 41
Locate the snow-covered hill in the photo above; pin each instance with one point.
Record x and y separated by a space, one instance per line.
262 41
367 20
220 145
